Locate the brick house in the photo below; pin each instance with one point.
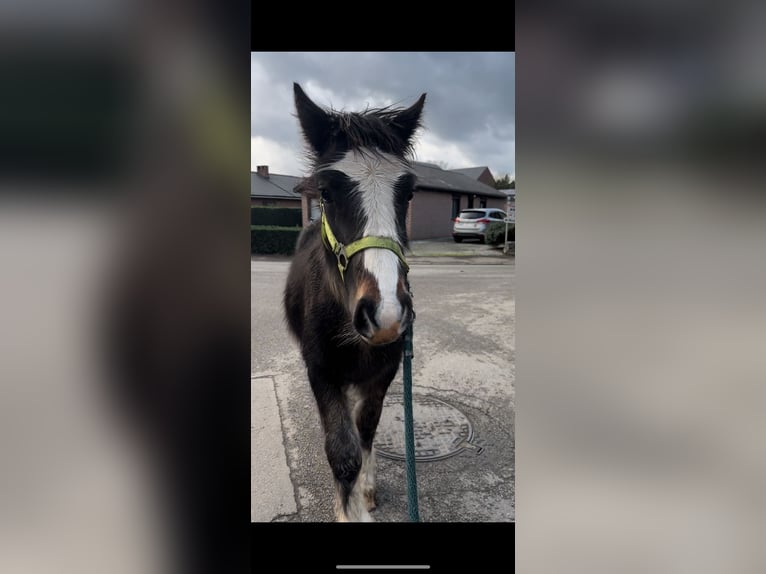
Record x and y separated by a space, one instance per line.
273 189
440 195
480 173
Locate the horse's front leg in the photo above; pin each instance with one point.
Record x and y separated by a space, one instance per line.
367 416
343 449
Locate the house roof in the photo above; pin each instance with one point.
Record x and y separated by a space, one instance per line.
472 172
276 186
432 177
428 176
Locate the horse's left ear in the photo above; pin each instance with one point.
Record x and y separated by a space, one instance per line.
315 122
407 121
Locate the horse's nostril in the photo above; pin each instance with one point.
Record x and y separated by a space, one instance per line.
364 317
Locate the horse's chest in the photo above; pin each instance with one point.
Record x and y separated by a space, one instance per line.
365 364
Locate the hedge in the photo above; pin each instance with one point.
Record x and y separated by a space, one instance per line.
273 239
495 233
276 216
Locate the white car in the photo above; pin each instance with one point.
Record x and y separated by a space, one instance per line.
473 223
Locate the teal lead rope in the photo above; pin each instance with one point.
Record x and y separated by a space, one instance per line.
409 430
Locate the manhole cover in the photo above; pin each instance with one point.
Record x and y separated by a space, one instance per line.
440 429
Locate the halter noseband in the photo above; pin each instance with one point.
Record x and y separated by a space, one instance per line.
345 252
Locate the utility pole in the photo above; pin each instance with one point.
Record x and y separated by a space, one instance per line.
507 214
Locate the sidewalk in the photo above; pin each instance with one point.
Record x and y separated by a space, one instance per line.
445 250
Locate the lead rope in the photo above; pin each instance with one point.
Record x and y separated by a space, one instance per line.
409 427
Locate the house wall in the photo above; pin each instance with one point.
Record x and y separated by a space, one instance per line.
266 202
486 178
408 220
498 203
305 209
431 214
306 200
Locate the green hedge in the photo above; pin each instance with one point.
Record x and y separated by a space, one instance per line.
276 216
273 239
495 233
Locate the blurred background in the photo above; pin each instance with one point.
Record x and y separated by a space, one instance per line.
123 278
641 322
124 401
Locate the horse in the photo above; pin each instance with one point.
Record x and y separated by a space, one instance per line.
347 299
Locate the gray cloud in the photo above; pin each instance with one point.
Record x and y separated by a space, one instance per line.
470 110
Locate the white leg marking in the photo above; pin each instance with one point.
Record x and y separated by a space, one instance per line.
367 478
356 509
340 515
353 401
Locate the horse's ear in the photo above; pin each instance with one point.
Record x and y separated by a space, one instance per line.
407 121
315 122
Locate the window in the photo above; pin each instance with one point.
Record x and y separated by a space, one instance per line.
483 202
455 206
470 201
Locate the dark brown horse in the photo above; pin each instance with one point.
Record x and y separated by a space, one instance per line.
347 298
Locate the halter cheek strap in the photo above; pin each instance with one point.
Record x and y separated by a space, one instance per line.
345 252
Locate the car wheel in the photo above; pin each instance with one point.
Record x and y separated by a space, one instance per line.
458 239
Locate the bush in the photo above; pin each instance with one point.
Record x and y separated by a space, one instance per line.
273 239
495 233
276 216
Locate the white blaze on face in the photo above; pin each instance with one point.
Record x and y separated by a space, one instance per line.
376 176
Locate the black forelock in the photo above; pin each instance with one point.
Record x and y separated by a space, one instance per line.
374 129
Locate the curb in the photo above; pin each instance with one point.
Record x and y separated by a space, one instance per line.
465 260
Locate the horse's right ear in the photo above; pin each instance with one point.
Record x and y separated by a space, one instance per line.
407 121
315 122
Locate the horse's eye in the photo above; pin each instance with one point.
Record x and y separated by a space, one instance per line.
325 194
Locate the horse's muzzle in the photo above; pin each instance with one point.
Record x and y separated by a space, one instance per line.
378 328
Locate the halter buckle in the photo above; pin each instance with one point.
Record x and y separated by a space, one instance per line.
342 257
340 253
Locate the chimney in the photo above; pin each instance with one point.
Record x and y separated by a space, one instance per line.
263 171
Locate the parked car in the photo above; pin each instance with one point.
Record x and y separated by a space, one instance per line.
473 223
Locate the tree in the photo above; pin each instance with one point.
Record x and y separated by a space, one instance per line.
505 182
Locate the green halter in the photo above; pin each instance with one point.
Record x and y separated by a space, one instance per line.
345 252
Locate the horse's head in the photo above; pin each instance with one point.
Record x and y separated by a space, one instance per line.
365 181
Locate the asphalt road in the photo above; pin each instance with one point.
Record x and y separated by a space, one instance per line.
464 355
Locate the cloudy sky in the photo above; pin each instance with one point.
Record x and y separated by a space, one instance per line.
469 114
